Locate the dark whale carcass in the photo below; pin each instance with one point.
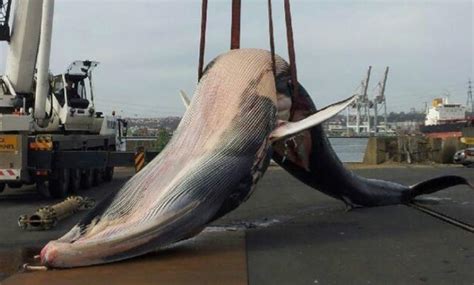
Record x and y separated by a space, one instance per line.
239 114
309 157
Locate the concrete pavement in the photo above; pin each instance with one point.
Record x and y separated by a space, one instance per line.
286 233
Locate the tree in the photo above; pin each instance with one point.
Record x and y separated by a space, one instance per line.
162 140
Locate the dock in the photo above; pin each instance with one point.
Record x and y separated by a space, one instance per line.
286 233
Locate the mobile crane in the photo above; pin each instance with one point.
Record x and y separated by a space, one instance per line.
51 135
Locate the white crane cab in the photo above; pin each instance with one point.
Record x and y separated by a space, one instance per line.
72 100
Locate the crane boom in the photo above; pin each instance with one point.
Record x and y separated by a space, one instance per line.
23 46
42 82
5 6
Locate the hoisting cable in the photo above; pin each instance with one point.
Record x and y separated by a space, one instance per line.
443 217
291 48
272 39
202 43
235 28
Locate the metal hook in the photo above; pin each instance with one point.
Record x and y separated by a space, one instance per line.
285 153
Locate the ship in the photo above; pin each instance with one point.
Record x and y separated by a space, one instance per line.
445 120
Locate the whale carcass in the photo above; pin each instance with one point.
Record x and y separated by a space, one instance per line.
241 115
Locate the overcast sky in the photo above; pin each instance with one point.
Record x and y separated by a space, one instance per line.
149 49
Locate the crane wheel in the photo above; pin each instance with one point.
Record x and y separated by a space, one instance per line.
15 185
75 180
59 187
42 188
86 179
108 174
2 187
96 177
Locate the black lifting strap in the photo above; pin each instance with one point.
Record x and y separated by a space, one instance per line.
235 37
272 40
291 48
235 31
202 43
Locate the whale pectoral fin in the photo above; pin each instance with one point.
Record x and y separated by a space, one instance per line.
286 129
185 98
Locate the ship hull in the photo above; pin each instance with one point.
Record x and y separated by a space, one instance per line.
451 130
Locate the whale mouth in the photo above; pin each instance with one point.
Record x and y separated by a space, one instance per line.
48 255
118 242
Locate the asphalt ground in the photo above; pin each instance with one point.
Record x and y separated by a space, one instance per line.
286 233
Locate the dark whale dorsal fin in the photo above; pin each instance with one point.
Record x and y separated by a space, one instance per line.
287 129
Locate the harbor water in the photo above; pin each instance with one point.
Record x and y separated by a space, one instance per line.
349 149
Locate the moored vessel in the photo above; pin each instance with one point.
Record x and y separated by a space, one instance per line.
445 120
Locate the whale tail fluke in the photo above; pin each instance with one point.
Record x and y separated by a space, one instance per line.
438 183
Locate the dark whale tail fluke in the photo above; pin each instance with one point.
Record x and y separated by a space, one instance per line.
437 184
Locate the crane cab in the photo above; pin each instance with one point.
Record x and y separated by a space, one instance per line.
73 99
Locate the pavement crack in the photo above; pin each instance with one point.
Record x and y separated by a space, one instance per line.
442 217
